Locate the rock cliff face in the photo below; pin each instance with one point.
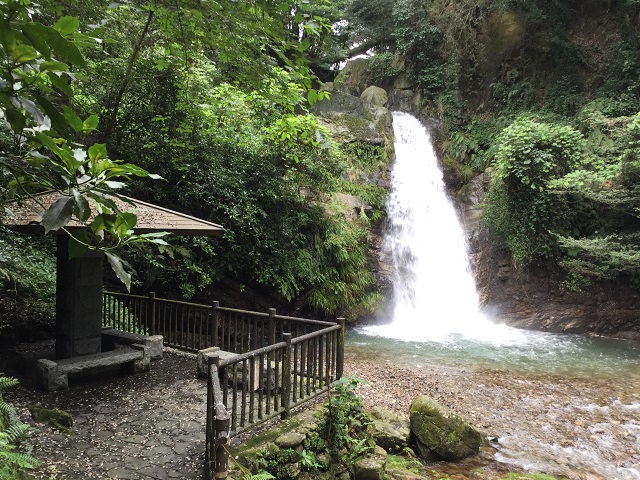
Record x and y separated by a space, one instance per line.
535 300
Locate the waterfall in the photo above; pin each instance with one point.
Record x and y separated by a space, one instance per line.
435 295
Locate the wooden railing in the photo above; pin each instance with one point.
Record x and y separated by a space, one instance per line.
253 387
266 365
193 326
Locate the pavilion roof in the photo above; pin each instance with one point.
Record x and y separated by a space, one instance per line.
27 215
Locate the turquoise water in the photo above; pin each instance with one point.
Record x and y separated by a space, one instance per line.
534 352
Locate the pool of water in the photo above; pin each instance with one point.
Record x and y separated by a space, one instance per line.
534 352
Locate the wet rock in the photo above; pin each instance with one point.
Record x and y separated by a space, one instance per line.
442 431
390 430
371 467
290 440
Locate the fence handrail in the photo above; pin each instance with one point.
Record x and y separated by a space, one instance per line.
186 304
317 333
243 312
303 320
252 354
125 295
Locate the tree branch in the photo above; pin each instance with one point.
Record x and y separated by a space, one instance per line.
127 78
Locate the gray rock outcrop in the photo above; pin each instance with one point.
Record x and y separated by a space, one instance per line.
441 430
389 430
372 466
375 95
535 299
350 119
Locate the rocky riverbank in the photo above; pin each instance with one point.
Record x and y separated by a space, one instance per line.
151 425
582 427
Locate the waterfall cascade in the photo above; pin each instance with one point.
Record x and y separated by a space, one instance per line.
435 295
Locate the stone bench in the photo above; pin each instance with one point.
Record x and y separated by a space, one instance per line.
54 375
111 338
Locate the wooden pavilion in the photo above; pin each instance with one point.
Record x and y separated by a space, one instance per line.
79 280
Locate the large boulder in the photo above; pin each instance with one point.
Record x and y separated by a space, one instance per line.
354 77
375 95
439 429
351 119
389 430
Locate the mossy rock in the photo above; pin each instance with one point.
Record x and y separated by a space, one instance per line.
505 32
442 431
354 77
389 430
375 95
53 417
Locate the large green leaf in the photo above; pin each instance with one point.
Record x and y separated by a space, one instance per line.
117 264
24 53
63 48
91 123
67 25
124 224
58 122
33 33
53 66
74 120
61 83
58 214
78 243
15 118
82 210
7 36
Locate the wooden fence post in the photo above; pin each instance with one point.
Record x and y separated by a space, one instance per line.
209 461
340 352
218 424
286 377
272 326
151 313
222 441
214 330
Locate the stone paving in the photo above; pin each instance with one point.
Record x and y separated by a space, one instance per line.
144 426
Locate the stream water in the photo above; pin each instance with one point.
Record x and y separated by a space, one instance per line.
584 391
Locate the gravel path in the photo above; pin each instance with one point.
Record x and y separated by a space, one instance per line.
145 426
151 425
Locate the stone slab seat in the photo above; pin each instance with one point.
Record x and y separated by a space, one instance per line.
54 375
111 338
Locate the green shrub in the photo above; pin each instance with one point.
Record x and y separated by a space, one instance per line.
528 155
343 423
27 265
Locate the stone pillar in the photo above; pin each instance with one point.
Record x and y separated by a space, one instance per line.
78 302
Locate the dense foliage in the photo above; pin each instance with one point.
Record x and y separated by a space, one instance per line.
214 99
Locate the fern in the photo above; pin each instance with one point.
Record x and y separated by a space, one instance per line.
6 409
16 432
9 457
6 382
12 432
258 476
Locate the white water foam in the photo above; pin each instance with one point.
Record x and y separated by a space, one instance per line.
435 293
